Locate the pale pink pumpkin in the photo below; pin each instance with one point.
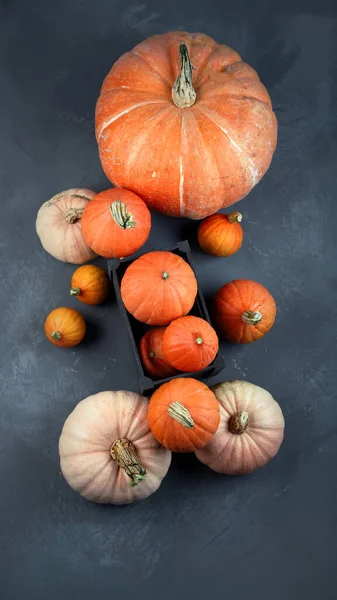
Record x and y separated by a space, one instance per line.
250 431
107 451
58 225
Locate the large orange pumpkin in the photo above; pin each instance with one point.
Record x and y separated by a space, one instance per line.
116 223
183 414
158 287
173 94
243 311
190 344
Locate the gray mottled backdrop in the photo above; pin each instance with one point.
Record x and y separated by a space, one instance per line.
272 534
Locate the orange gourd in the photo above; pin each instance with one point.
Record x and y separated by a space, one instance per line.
243 311
152 355
183 414
158 287
190 344
90 284
221 235
116 223
173 94
65 327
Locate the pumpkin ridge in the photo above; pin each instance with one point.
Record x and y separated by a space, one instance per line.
228 95
248 160
125 112
213 154
138 143
153 67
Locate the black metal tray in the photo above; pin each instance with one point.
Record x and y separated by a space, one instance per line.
136 329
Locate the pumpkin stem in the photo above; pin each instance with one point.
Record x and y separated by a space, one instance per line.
198 340
238 423
183 93
75 291
235 217
152 354
56 335
120 215
73 215
165 275
124 454
177 411
251 317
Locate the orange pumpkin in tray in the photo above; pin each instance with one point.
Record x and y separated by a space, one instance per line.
152 355
158 287
190 344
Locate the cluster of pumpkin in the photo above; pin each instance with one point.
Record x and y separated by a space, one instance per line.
115 447
161 125
62 225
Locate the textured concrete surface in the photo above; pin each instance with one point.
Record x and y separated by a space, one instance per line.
272 534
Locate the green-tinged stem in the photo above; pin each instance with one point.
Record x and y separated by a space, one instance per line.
183 93
179 412
124 454
56 335
75 291
121 216
251 317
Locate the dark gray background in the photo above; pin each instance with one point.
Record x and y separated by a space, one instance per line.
272 534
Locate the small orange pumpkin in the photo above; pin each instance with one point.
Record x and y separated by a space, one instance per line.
116 223
190 344
183 414
158 287
221 235
90 284
243 311
65 327
152 355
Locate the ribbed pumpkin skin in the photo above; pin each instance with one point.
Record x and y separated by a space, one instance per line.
156 300
104 235
232 300
148 145
232 454
218 236
152 355
69 323
85 443
92 283
190 344
202 405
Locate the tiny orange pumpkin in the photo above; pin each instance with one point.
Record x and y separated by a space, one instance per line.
183 414
152 355
243 311
221 235
90 284
65 327
190 344
116 223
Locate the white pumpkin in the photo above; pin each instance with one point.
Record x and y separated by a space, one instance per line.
250 431
58 225
107 451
